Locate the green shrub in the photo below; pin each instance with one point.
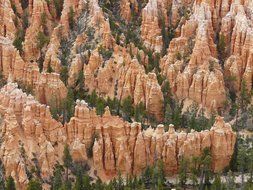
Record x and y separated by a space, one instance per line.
58 4
64 74
71 15
42 40
20 37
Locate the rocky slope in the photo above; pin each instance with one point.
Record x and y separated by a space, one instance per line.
191 62
121 49
32 138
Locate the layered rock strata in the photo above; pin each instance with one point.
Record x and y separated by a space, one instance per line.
30 133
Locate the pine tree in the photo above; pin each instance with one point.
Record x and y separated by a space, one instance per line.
34 184
245 96
127 108
67 160
57 177
222 49
49 68
93 98
71 15
10 184
64 74
242 162
139 112
100 106
217 184
183 172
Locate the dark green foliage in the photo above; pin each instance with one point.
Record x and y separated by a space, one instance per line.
106 54
93 98
20 37
43 19
197 121
127 108
2 176
221 46
173 115
57 177
205 168
80 79
68 106
67 163
153 62
25 20
58 4
65 108
183 171
64 74
100 106
10 184
64 51
140 112
42 40
245 96
71 16
82 182
34 184
67 159
153 177
167 34
40 63
114 105
49 68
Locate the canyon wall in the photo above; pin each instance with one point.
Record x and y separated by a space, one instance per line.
32 138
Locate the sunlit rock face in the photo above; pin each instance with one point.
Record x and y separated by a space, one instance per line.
119 145
205 50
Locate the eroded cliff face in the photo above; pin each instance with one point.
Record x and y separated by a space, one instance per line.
205 50
32 138
47 87
187 34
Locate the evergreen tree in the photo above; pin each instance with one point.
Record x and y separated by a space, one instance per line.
34 184
242 162
205 167
183 171
67 160
10 184
49 68
71 15
168 115
58 4
222 49
217 184
68 106
100 106
127 108
57 177
64 74
93 98
245 97
42 40
98 185
139 112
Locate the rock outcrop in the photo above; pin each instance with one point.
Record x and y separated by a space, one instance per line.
191 65
46 86
30 133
